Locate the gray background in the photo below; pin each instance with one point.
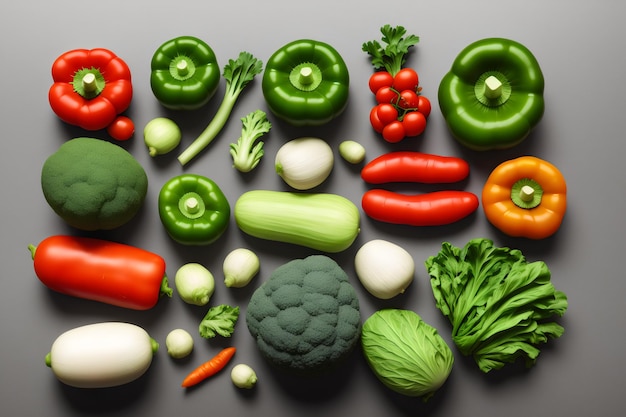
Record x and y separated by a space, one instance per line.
579 46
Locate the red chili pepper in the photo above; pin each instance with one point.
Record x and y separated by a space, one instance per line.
408 166
91 87
431 209
101 270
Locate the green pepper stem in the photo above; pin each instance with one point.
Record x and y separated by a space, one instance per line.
182 68
192 205
493 87
306 75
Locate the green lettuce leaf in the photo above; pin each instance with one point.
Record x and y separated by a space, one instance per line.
500 306
405 353
219 320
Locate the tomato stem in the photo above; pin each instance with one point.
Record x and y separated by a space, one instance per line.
32 248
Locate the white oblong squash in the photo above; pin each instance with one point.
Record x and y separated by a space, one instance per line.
101 355
305 162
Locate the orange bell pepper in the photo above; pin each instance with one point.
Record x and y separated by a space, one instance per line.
525 197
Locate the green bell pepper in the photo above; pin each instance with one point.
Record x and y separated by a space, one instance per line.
306 83
493 95
184 73
193 209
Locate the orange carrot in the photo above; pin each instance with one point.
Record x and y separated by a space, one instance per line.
209 368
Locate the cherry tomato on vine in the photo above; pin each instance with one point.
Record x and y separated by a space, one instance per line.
387 113
406 79
122 128
408 99
386 95
414 123
394 132
380 79
377 125
423 105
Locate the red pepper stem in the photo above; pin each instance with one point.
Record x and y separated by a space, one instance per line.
89 83
165 288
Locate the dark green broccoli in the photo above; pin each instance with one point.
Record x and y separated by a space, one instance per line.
93 184
305 317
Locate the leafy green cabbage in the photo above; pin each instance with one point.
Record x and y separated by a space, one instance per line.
500 306
405 353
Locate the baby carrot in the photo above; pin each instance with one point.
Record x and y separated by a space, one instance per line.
209 368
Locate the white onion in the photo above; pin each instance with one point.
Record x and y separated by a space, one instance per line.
240 266
304 163
161 135
243 376
179 343
194 283
384 268
352 151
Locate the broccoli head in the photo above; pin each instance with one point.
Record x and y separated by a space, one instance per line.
305 318
93 184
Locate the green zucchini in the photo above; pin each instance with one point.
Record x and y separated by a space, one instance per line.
321 221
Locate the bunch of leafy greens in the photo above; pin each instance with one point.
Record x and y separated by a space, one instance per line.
501 307
219 320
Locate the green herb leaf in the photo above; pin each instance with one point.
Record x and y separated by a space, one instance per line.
393 56
219 320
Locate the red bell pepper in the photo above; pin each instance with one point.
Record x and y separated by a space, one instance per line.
91 88
101 270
